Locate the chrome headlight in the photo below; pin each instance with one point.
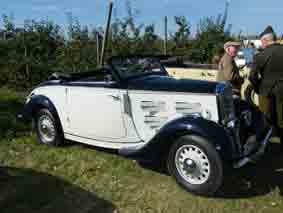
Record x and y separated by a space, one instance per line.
206 114
231 124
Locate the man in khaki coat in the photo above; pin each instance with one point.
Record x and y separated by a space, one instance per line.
228 70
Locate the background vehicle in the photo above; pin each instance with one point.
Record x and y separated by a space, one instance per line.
194 127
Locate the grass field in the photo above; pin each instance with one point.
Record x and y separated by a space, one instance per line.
76 178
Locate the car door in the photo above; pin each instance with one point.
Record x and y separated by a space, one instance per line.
95 111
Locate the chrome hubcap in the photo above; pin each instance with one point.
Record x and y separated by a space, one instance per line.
192 164
46 129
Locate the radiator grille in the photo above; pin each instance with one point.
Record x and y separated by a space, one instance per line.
226 104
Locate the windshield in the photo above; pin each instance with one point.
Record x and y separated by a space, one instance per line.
136 66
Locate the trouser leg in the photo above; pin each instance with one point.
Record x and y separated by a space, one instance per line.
262 118
281 139
280 119
260 126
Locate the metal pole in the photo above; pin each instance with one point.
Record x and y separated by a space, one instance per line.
165 35
106 33
97 48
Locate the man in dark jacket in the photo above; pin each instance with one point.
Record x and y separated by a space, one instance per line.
267 75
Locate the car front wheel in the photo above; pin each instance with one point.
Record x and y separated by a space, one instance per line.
196 165
48 128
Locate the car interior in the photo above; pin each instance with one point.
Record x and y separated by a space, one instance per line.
99 75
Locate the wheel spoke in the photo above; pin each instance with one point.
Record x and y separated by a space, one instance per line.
46 129
192 164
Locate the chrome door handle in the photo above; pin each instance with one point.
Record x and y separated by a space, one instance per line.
115 97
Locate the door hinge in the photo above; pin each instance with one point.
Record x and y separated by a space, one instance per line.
115 97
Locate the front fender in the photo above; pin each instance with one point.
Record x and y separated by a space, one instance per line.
189 125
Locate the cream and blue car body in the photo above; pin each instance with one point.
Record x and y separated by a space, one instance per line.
134 106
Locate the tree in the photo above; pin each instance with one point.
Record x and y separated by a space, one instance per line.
151 42
9 25
181 36
126 34
30 54
211 36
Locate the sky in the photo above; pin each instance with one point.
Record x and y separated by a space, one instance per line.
248 16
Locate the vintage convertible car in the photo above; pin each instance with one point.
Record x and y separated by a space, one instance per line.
196 127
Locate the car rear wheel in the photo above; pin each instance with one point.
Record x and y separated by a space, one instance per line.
196 165
48 128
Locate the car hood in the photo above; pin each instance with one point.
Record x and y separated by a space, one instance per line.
170 84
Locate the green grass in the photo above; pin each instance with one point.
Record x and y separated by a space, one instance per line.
78 178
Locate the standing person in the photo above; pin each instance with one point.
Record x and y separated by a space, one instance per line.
228 70
265 76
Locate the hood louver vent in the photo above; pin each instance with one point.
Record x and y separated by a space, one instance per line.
151 106
155 122
151 110
186 108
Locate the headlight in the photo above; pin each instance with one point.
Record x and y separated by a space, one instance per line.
231 124
206 114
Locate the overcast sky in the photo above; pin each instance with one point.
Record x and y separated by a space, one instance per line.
247 15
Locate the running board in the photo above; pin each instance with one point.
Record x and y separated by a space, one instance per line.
131 151
258 154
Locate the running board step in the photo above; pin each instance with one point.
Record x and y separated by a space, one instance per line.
258 154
